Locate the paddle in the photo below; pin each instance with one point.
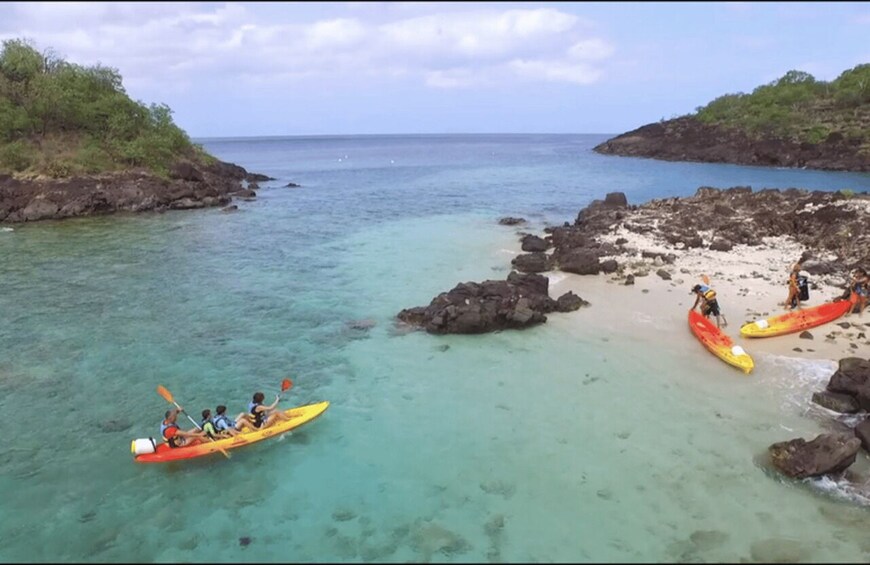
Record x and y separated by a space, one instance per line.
285 386
161 390
706 279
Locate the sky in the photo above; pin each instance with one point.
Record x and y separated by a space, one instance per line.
334 68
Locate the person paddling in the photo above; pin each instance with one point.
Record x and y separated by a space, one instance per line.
174 435
264 416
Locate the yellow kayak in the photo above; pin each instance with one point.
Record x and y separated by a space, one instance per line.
718 343
798 320
298 416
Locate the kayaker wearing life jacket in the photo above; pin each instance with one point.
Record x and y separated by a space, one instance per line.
706 296
265 416
207 425
175 436
224 425
860 285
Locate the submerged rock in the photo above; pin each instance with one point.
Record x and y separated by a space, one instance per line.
510 221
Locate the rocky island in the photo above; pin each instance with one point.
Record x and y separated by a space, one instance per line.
795 121
73 143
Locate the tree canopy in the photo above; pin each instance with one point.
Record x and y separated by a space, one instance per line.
60 118
799 107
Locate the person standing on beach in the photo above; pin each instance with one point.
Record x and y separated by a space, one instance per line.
706 297
793 300
860 285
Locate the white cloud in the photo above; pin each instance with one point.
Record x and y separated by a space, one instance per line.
164 42
556 71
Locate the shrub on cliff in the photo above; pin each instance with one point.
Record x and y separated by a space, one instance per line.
60 118
799 107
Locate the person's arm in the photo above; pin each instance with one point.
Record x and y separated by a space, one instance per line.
274 404
695 305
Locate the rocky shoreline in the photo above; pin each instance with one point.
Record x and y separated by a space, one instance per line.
830 227
688 139
188 186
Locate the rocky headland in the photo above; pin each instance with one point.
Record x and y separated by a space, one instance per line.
188 186
610 236
794 121
689 139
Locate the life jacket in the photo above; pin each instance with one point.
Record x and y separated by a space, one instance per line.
259 417
208 427
221 423
169 439
708 293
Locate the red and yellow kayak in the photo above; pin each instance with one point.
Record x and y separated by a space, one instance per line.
298 416
718 343
797 320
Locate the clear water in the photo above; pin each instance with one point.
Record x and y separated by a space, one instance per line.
586 439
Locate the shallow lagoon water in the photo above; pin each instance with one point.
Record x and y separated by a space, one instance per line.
565 442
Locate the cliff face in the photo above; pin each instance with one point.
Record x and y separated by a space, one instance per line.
688 139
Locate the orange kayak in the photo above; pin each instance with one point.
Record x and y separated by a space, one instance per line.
298 416
798 320
718 343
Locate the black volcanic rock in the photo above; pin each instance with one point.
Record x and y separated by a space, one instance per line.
519 302
688 139
827 453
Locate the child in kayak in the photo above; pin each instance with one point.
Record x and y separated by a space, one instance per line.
225 425
265 416
174 435
706 296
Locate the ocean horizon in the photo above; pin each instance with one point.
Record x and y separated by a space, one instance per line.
571 441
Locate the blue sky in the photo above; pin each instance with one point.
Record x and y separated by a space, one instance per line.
236 69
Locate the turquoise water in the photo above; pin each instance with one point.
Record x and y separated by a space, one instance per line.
566 442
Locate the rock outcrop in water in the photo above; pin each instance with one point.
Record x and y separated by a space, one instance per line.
519 302
847 392
187 187
826 454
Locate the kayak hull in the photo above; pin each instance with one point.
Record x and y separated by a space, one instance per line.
298 416
797 320
718 343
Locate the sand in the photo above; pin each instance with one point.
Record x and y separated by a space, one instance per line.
751 284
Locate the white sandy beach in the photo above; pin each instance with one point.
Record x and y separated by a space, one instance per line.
750 283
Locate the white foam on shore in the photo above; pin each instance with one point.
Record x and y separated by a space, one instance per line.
6 229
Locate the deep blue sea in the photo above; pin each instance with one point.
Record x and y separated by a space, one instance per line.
561 443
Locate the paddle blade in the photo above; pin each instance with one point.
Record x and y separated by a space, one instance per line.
286 384
161 390
706 279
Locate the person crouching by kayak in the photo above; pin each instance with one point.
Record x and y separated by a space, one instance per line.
265 416
860 285
706 296
225 425
175 436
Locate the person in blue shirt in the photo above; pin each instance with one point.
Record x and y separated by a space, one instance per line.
226 425
706 297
